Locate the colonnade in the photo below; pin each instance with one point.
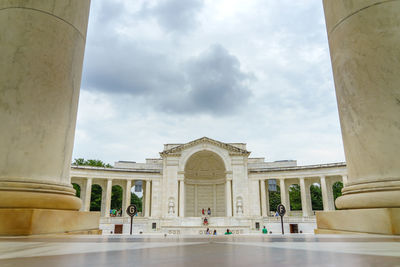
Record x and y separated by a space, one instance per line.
326 183
106 185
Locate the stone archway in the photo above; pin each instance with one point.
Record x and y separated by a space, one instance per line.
205 178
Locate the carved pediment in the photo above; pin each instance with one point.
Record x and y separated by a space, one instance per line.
176 151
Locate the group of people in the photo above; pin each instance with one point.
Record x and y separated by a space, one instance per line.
115 213
203 212
209 232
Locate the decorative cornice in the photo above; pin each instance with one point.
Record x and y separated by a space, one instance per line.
176 151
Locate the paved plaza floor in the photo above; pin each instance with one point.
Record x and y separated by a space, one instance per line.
269 250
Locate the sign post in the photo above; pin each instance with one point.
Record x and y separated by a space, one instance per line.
281 211
131 211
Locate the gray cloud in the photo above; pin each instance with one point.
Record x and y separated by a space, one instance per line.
174 15
216 81
211 82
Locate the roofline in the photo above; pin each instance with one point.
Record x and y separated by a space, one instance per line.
115 169
295 168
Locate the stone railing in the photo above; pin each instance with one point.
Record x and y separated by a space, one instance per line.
290 219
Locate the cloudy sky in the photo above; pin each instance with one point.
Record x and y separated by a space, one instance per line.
171 71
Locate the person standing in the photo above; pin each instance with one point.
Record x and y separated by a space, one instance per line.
202 211
209 212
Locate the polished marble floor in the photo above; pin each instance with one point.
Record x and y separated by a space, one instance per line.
270 250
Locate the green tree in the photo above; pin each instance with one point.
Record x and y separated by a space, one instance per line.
116 197
135 200
316 197
77 189
337 190
95 198
295 197
91 162
274 198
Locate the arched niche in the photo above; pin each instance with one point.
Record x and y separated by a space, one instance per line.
205 178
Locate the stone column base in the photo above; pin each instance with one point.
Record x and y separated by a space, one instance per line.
14 222
370 221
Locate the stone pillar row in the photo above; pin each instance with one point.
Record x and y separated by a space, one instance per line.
326 189
86 192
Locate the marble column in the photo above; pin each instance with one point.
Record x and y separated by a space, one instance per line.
181 198
268 211
127 197
88 194
107 200
147 198
42 46
284 194
305 197
228 194
327 194
364 40
263 198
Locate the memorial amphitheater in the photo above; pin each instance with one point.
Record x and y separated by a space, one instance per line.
203 174
42 47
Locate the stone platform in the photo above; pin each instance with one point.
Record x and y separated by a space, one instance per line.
233 250
373 221
14 222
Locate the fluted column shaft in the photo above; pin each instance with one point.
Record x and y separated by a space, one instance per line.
305 198
147 198
327 194
263 198
364 39
42 46
107 202
127 197
284 194
88 194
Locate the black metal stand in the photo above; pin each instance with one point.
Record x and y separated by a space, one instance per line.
283 232
131 223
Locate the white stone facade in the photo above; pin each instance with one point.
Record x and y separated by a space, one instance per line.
206 173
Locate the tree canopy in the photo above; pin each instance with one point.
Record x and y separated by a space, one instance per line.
91 162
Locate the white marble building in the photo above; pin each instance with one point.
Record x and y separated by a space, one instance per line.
206 173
